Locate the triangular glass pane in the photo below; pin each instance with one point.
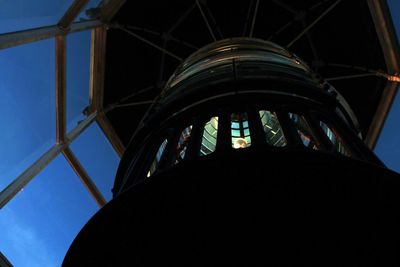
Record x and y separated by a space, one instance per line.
27 106
18 15
98 158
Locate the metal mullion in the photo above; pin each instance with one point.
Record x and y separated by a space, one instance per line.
72 12
97 70
25 177
60 88
28 36
196 138
224 137
110 134
97 67
292 137
320 135
167 159
84 176
257 132
380 14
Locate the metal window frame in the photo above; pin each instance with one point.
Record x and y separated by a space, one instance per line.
96 111
387 37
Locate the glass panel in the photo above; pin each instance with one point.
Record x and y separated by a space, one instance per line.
304 131
157 159
209 141
394 6
272 128
182 144
39 224
27 106
91 10
18 15
98 158
335 139
240 130
78 74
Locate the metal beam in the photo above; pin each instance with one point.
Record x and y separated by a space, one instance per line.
131 104
206 20
313 23
181 19
24 178
109 9
84 176
4 262
22 37
390 46
254 18
60 88
344 77
73 11
285 6
162 36
12 189
110 133
97 70
148 42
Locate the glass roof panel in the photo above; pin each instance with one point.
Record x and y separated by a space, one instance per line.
39 224
18 15
98 158
91 10
78 75
394 6
27 106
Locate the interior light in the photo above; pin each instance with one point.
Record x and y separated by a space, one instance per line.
240 143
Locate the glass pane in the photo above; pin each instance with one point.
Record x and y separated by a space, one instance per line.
98 158
394 6
209 141
182 144
78 74
240 130
335 139
91 10
18 15
272 128
157 159
304 131
39 224
27 106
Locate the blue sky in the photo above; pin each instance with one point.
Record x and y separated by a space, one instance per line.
38 225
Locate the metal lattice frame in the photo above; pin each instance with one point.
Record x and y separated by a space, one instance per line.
97 67
96 111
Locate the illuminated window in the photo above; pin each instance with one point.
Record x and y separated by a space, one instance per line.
209 141
335 139
157 159
182 144
240 131
304 131
273 131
